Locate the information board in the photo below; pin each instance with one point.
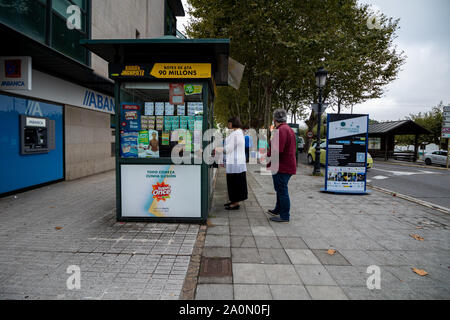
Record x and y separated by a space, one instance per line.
446 123
346 157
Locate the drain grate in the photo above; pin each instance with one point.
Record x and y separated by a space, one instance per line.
215 267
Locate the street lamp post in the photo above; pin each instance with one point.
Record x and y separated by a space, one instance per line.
321 78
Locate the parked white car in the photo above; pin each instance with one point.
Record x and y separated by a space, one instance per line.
301 144
436 157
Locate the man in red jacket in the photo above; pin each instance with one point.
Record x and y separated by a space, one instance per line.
283 165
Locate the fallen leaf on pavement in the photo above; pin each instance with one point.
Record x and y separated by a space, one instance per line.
420 272
331 251
417 237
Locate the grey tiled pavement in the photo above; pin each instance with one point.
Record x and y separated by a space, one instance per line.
44 231
290 261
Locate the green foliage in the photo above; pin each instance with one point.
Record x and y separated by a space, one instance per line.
283 43
431 120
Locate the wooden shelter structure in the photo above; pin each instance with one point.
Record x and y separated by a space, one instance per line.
382 139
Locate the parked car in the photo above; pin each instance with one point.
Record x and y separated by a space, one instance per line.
437 157
323 154
301 144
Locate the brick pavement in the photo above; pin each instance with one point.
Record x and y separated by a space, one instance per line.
44 231
290 261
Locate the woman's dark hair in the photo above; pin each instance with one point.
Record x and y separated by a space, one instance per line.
235 122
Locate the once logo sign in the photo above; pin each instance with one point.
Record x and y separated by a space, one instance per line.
161 191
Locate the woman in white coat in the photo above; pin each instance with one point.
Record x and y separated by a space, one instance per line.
235 164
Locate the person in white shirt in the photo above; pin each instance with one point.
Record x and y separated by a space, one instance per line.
235 165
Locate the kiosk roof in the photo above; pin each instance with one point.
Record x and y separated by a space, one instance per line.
165 49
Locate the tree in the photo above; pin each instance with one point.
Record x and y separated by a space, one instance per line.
431 120
283 43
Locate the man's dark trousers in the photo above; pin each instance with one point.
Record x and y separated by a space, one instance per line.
283 206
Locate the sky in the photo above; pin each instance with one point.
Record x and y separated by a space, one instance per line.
424 80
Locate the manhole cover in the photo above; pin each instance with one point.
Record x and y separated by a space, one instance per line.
215 267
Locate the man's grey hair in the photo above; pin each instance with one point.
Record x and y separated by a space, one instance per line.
280 115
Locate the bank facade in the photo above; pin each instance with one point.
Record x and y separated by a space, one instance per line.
56 101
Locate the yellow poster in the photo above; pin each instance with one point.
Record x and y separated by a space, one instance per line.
192 89
181 70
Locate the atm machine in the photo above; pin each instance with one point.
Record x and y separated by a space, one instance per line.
37 134
164 92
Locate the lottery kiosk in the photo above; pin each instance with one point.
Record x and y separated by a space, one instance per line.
164 93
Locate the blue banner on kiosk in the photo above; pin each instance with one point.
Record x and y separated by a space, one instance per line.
130 117
346 159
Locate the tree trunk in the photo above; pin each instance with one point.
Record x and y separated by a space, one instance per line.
267 108
249 106
236 99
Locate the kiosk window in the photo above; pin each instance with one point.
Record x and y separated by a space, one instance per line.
151 127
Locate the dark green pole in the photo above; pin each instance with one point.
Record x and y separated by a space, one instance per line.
319 120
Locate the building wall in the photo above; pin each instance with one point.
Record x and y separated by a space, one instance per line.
88 135
155 18
18 171
88 139
118 19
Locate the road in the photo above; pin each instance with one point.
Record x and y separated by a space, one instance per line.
427 183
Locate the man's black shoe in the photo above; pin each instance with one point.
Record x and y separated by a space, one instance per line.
273 213
278 219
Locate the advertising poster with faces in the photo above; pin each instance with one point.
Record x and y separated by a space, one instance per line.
153 150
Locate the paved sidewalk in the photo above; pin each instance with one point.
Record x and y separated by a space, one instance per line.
44 231
290 261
